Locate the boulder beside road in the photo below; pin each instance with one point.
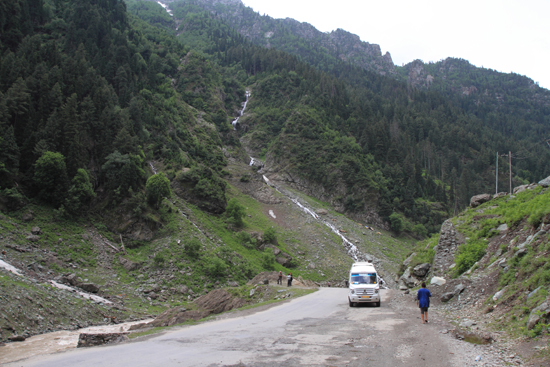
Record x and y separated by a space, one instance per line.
91 340
477 200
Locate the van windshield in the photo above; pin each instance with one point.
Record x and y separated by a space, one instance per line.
367 278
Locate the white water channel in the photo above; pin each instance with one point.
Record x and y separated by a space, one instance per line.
166 8
153 168
234 122
351 249
85 295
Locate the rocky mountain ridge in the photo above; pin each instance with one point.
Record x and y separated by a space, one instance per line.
269 32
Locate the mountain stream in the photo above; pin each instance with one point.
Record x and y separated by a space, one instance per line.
351 249
234 122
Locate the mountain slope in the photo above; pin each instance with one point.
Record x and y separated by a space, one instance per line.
447 133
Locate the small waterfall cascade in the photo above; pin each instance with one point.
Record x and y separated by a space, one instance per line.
166 8
153 168
351 249
234 122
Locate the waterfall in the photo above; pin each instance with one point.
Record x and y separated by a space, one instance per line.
153 168
234 122
166 8
251 161
351 249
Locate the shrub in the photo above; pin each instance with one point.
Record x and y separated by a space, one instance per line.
50 175
192 247
235 213
157 187
535 219
217 267
80 193
396 223
420 230
268 259
12 198
206 185
159 259
468 254
123 171
270 235
245 240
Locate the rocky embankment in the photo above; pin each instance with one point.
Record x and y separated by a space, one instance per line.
30 308
482 310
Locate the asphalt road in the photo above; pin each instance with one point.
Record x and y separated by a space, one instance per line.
316 330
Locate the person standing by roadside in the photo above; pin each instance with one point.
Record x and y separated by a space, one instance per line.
423 302
289 278
280 280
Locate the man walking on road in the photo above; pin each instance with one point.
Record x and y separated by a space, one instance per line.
423 301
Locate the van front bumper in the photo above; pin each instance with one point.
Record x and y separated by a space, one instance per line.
364 299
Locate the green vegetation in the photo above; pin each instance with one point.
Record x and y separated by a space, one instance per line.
50 175
110 102
468 254
235 213
270 235
157 187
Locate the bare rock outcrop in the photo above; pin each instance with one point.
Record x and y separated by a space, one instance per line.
174 316
128 264
91 340
219 300
538 314
477 200
449 240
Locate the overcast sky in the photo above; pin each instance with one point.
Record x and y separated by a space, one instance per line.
504 35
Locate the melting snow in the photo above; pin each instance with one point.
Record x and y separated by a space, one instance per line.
9 267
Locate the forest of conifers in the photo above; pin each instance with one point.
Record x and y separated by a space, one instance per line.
90 90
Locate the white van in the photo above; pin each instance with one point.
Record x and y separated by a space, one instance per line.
364 284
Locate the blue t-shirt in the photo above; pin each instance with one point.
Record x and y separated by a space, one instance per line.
423 297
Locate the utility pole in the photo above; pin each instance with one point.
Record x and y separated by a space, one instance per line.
510 160
509 155
496 178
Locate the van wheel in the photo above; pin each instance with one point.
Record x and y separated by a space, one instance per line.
377 304
350 303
